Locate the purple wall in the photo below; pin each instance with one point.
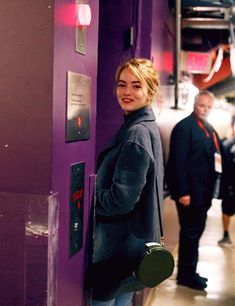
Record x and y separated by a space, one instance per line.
71 270
26 35
37 49
153 38
114 46
26 39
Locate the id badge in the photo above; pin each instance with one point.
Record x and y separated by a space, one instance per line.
218 162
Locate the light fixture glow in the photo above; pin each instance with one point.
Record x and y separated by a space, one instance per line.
83 15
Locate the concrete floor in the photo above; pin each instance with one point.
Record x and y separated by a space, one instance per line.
215 262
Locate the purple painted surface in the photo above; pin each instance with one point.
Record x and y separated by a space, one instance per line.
114 47
12 263
70 275
153 38
35 159
25 233
26 36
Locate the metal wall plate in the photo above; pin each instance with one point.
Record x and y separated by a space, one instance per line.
81 39
76 204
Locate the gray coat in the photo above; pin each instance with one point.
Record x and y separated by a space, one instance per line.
126 185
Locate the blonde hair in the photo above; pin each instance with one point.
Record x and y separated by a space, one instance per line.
144 71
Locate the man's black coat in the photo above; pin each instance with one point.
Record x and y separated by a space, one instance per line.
190 167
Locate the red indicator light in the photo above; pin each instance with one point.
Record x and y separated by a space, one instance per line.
79 122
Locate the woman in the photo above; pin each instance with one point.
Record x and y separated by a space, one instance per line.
128 171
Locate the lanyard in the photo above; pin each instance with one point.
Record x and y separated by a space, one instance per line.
215 140
202 127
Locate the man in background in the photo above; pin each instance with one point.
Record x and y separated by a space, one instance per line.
193 167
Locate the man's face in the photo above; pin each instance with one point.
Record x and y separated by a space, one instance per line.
203 106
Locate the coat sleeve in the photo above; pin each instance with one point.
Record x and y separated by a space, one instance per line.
128 181
178 163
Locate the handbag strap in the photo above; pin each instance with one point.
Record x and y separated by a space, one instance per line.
159 213
158 199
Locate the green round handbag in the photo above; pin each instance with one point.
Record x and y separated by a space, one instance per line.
156 265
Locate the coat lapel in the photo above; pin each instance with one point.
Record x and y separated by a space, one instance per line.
143 114
207 142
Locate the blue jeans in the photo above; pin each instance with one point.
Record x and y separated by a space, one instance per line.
123 300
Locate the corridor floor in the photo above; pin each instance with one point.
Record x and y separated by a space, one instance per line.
216 263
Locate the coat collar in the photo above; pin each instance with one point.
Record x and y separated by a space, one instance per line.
207 141
141 115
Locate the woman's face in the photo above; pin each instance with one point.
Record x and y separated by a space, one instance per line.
131 94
